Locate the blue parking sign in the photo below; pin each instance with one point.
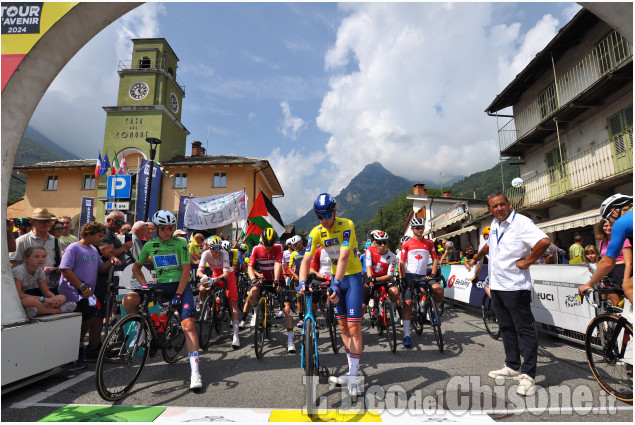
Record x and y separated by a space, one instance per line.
119 186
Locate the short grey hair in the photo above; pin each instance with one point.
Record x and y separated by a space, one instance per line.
497 194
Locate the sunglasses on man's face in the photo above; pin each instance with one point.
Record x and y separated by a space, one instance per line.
215 248
326 216
117 222
58 228
382 242
417 227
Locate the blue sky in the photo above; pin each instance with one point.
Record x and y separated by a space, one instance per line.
320 89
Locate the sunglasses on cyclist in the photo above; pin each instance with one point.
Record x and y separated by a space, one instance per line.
215 248
166 228
417 227
326 216
381 242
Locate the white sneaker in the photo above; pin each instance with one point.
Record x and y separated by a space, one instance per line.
506 372
526 385
68 307
253 321
196 383
291 348
31 312
343 380
280 314
241 325
353 389
236 342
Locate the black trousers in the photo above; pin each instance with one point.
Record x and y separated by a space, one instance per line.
513 313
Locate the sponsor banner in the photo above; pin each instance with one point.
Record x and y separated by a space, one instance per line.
555 293
184 200
86 214
23 24
215 211
142 189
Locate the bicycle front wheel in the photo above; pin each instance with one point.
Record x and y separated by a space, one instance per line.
259 328
489 317
391 331
174 338
122 357
609 352
417 317
110 319
309 364
205 323
435 322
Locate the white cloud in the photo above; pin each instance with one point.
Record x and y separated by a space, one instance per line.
294 171
90 80
409 85
290 126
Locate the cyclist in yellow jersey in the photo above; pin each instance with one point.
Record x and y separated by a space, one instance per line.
337 237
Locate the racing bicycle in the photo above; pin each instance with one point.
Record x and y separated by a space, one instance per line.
212 313
424 309
489 315
382 311
125 350
609 344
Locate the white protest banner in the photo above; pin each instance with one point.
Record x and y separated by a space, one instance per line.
216 211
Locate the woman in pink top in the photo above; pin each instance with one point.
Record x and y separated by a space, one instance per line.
623 267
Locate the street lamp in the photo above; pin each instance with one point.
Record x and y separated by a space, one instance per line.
154 142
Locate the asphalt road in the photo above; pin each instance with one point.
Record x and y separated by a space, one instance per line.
410 384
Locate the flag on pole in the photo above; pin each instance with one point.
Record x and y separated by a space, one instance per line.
123 164
115 166
98 167
263 215
105 165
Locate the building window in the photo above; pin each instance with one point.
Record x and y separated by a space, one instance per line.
50 183
144 62
548 101
180 180
220 180
556 168
620 126
88 182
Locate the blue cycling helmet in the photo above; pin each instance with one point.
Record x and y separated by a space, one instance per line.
324 204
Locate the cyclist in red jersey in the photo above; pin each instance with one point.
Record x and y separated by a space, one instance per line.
413 262
380 268
217 260
269 256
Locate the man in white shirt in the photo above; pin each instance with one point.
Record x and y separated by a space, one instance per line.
515 243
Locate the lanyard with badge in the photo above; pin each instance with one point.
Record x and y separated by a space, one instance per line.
498 238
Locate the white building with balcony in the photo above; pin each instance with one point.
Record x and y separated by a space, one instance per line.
571 128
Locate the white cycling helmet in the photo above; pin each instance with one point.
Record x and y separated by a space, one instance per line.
379 235
214 240
417 221
226 246
404 238
616 201
164 218
295 239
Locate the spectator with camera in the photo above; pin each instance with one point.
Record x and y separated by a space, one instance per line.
41 220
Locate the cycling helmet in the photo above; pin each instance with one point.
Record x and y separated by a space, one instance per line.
486 231
214 241
417 221
226 246
616 201
269 236
164 218
367 245
404 238
244 247
295 239
324 204
379 235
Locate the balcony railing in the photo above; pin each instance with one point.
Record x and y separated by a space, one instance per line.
149 65
608 159
612 52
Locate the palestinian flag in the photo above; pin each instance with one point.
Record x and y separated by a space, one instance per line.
262 215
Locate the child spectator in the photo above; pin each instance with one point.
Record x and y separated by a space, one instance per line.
30 281
80 265
591 256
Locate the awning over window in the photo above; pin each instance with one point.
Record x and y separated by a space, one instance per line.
456 232
586 218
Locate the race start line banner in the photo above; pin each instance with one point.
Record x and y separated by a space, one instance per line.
216 211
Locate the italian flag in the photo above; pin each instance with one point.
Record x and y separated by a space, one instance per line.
263 215
115 166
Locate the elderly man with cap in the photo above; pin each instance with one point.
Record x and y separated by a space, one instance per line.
41 220
110 245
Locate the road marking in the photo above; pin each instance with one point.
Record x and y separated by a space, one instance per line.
51 391
324 416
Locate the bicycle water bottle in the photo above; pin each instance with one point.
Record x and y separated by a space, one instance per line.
155 320
217 303
163 320
371 303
